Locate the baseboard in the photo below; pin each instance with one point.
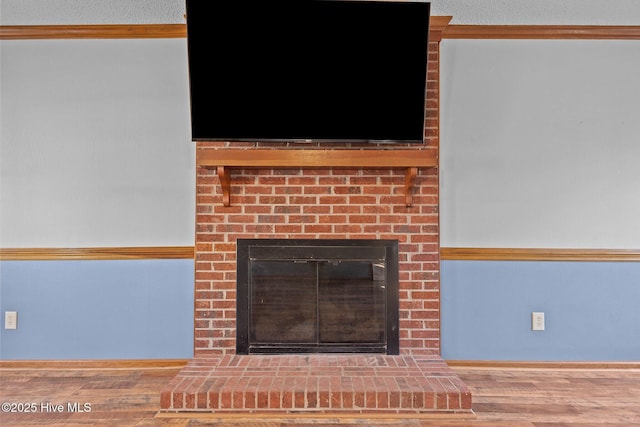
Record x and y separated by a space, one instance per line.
94 364
516 364
179 363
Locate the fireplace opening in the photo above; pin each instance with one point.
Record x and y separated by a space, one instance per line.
317 296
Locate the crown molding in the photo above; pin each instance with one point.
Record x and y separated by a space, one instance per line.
587 32
143 31
440 29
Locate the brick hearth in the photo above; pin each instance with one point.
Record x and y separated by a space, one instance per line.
353 384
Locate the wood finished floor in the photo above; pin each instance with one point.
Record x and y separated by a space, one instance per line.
511 397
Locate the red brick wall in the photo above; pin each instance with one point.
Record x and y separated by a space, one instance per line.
321 204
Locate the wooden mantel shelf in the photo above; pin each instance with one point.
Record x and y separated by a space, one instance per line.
226 159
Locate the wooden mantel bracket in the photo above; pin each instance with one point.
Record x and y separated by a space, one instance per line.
226 159
225 183
409 182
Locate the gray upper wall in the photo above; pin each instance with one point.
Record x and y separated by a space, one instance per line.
483 12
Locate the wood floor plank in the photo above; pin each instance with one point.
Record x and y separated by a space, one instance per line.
502 397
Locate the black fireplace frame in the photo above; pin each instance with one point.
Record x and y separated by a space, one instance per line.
303 250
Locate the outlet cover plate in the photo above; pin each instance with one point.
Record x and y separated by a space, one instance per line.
10 319
537 321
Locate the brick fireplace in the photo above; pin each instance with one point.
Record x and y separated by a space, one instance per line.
320 192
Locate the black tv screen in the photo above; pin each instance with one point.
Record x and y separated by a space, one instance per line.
307 70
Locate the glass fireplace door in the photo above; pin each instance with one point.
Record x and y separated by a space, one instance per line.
282 299
351 303
311 305
315 296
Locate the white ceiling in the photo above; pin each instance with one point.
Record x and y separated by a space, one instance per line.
487 12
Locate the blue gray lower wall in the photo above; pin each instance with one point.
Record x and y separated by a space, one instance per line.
111 309
592 310
143 309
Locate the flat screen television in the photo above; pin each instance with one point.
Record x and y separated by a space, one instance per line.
307 70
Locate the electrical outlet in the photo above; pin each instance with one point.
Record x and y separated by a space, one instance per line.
11 320
537 321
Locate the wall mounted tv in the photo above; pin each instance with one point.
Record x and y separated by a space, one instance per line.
307 70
